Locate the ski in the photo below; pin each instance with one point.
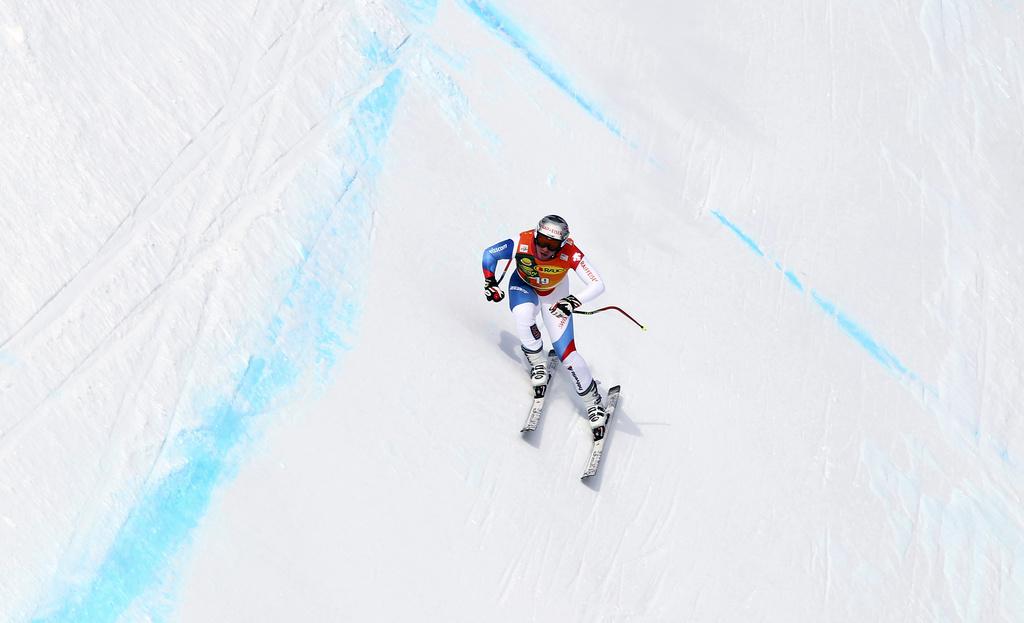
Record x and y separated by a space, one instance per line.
539 392
598 448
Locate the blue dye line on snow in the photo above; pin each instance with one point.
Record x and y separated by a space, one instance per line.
739 233
422 10
861 336
791 276
305 333
377 51
500 24
851 328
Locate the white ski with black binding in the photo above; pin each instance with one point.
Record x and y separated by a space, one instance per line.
598 448
539 392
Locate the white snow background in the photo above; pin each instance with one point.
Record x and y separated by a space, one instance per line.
247 372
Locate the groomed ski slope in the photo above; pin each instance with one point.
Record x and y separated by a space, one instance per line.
247 372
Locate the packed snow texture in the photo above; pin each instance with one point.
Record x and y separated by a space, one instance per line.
247 372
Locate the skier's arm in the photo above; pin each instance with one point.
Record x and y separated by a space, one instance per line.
593 285
500 251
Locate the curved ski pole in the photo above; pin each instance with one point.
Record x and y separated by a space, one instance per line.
618 309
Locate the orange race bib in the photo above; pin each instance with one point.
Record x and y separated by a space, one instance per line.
544 275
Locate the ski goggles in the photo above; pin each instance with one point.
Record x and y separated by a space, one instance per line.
551 244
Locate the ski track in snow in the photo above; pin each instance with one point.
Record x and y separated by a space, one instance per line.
230 285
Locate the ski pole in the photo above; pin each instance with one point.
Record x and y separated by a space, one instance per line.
618 309
507 264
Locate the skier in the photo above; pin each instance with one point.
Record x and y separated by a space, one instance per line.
543 258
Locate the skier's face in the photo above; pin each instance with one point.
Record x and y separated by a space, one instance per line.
547 248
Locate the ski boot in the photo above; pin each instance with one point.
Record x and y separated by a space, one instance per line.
538 366
595 411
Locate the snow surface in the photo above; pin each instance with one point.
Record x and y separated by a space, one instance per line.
247 372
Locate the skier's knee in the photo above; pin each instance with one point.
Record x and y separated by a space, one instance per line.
565 349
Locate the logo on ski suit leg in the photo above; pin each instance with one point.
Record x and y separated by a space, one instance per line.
576 379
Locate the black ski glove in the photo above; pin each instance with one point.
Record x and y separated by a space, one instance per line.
564 307
491 290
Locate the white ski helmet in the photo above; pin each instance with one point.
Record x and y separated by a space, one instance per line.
554 227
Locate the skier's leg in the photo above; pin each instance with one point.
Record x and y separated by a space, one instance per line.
560 330
563 341
523 302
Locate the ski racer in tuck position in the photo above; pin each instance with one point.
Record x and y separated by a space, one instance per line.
543 258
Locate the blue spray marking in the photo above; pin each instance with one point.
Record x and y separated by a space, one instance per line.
861 336
851 328
791 276
739 233
422 10
306 331
377 51
827 306
501 25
